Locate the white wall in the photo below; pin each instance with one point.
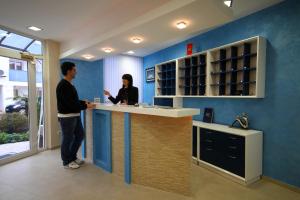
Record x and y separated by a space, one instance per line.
116 66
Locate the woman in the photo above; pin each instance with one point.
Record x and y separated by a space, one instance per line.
128 94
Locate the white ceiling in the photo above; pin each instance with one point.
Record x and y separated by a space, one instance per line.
86 26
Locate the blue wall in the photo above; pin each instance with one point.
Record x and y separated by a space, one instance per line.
89 78
278 113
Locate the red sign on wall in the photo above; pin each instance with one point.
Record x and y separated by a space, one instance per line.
189 49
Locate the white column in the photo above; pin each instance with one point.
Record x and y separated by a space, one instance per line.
51 79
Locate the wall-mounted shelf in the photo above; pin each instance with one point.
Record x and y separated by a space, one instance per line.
236 70
192 75
165 78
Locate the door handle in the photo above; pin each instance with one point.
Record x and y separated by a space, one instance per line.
209 132
232 157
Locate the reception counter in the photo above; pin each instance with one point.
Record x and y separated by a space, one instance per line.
147 146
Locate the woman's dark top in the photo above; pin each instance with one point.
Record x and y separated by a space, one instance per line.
67 98
131 95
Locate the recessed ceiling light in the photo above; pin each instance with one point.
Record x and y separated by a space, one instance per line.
228 3
107 50
130 52
181 25
136 40
34 28
88 56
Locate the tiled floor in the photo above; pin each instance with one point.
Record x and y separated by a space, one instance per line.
42 177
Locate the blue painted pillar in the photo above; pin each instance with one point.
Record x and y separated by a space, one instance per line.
127 150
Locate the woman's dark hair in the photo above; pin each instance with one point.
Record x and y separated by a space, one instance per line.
66 66
128 77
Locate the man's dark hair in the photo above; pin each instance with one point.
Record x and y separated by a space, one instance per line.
129 78
66 66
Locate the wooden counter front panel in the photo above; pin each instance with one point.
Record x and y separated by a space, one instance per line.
161 152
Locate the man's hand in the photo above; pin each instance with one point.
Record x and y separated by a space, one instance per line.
106 93
90 105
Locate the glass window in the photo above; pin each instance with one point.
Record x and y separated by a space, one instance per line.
35 48
38 65
11 65
18 66
15 64
16 41
2 34
20 43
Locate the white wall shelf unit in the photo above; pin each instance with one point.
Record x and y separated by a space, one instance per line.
192 75
235 70
166 78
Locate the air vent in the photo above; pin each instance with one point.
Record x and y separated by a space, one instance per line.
2 73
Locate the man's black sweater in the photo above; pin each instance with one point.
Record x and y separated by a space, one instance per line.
67 98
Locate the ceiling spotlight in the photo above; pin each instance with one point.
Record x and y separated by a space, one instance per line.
107 50
228 3
88 56
130 52
136 40
181 25
34 28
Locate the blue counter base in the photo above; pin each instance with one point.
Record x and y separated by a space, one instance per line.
102 152
102 137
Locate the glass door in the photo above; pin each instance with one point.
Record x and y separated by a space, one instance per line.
19 102
40 103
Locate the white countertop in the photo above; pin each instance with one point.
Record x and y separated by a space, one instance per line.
226 129
173 112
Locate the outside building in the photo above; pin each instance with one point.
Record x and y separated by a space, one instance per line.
14 81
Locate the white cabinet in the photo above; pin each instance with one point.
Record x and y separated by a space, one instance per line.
232 152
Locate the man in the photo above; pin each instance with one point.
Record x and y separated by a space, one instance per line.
69 107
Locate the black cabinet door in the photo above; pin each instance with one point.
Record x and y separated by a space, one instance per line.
234 154
194 137
208 146
223 150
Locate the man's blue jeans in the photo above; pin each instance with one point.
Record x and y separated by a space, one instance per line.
72 136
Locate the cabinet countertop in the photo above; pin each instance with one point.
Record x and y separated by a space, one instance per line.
226 129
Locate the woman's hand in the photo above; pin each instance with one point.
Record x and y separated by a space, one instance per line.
106 93
124 103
